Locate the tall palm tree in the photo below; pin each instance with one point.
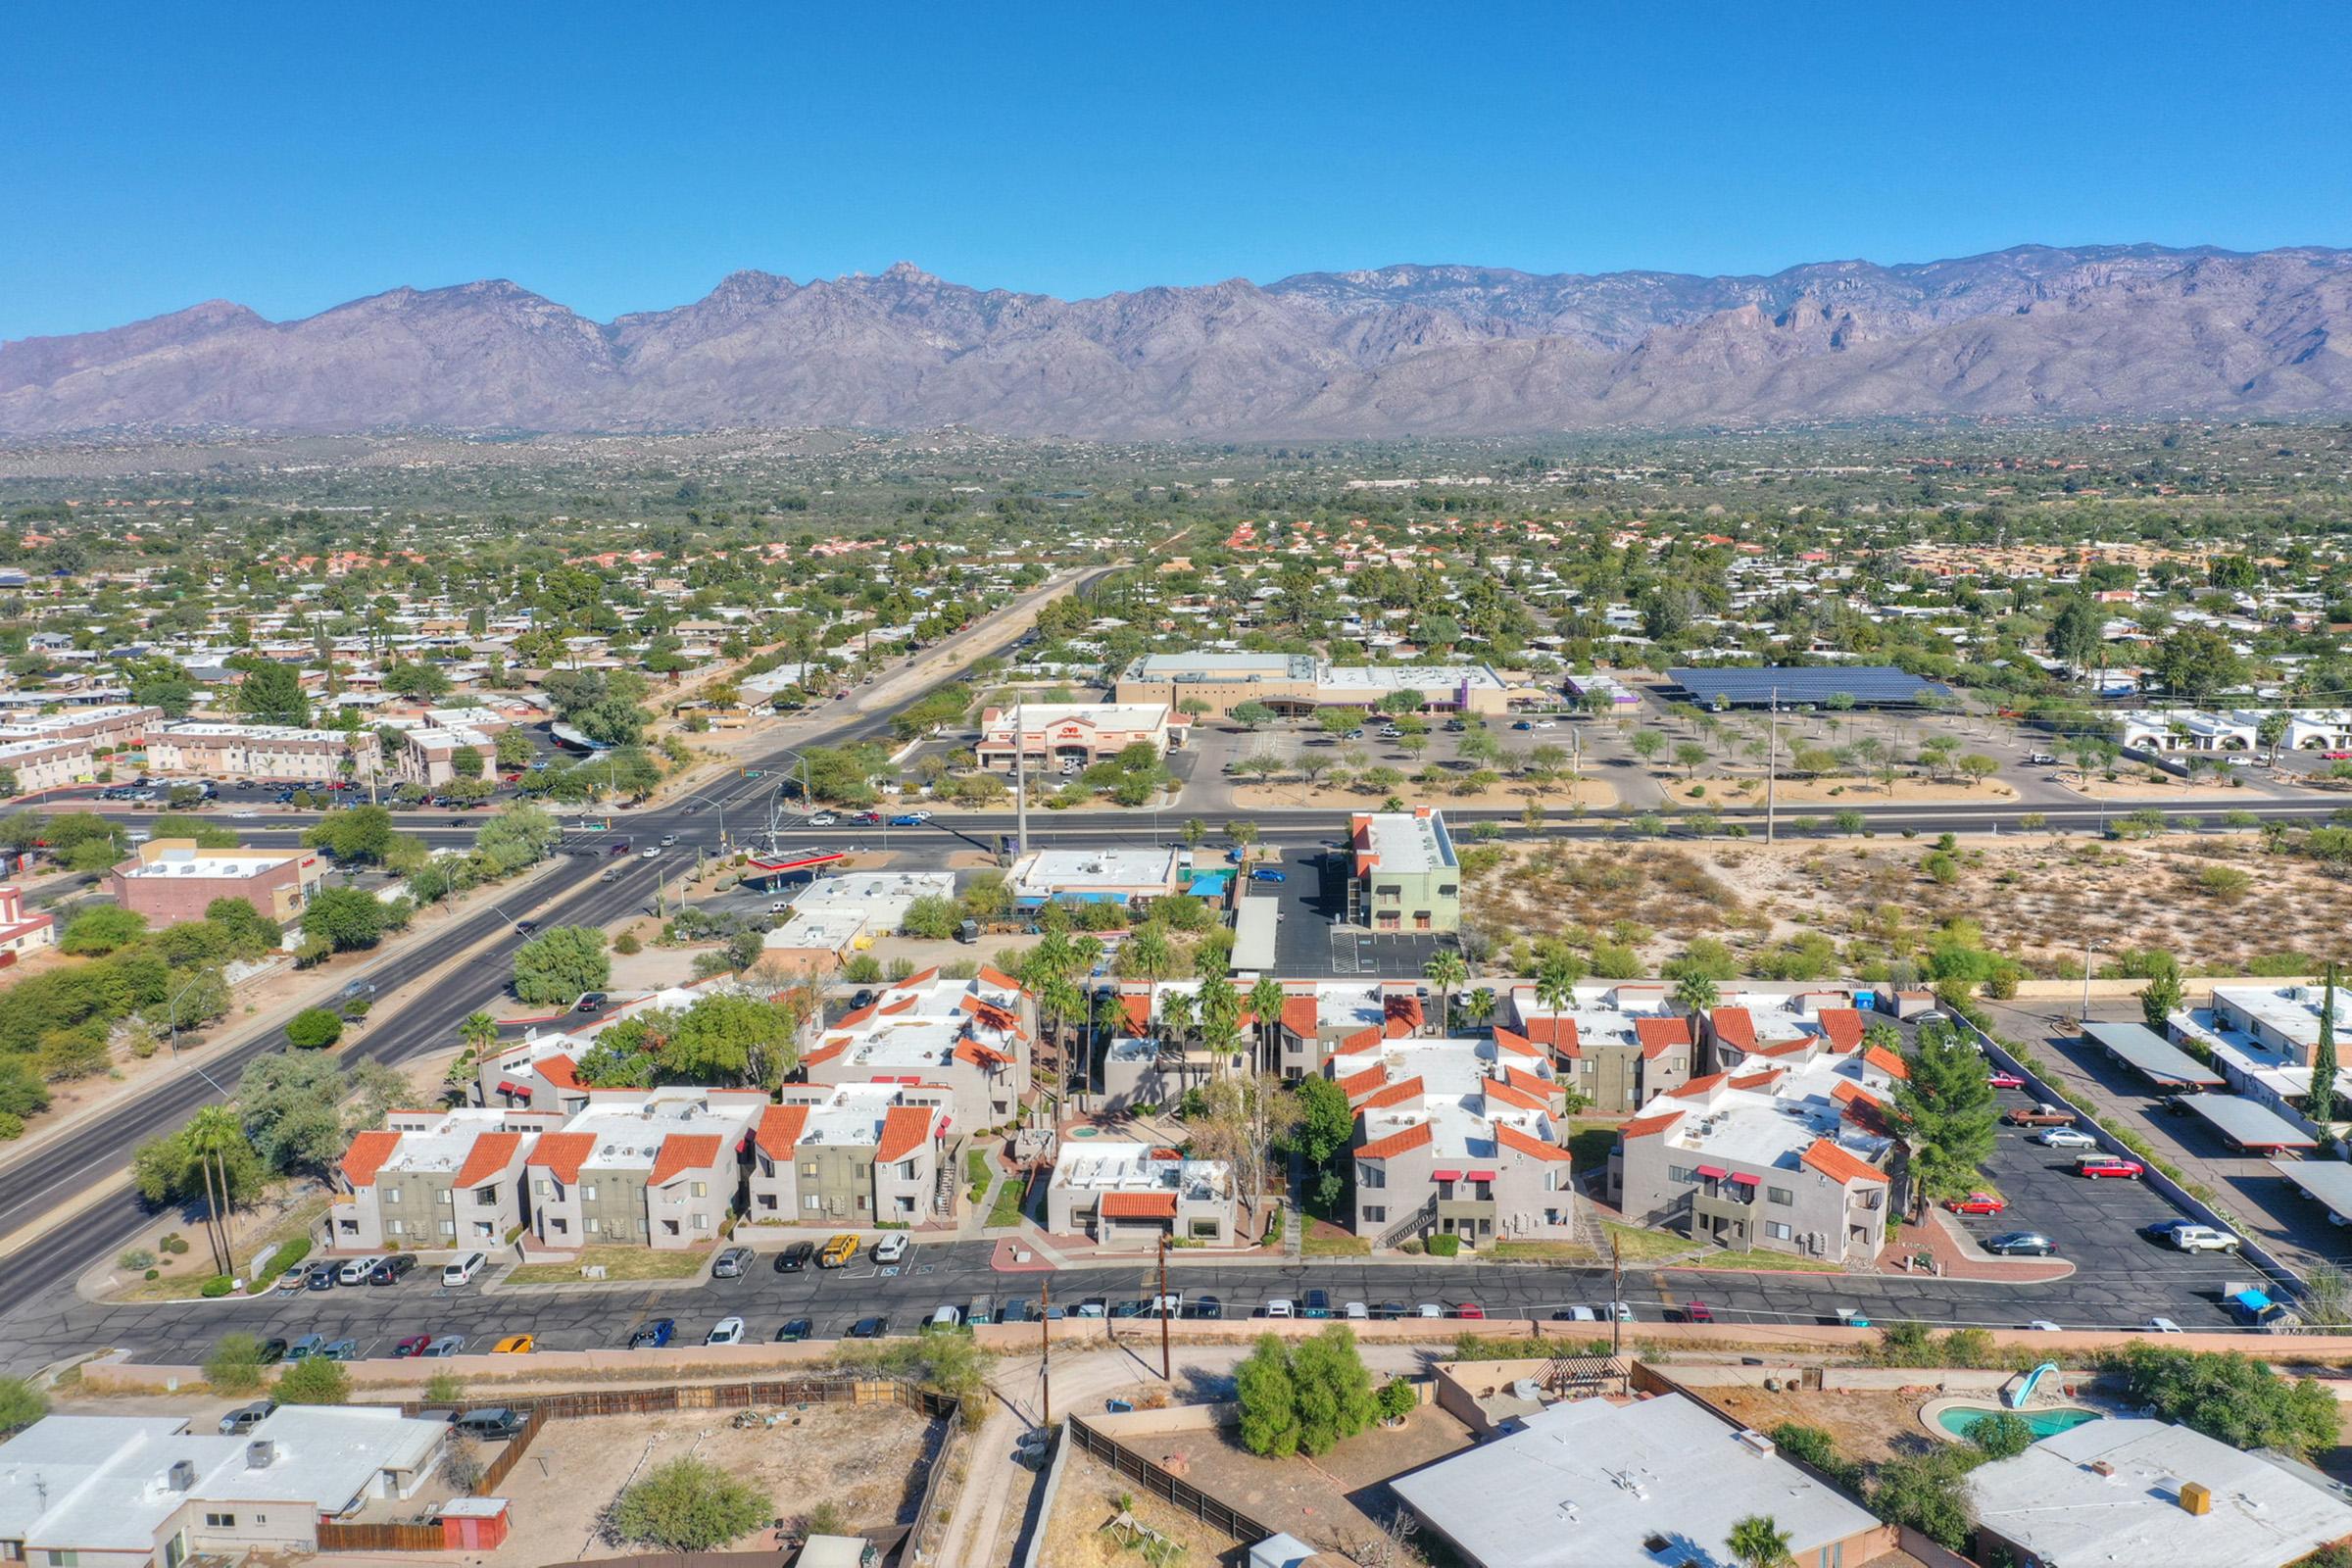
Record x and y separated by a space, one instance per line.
1555 982
1759 1541
1480 1004
1149 955
211 1134
1696 993
478 1032
1445 969
1178 1012
1265 1003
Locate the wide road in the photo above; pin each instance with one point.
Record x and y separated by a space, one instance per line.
573 892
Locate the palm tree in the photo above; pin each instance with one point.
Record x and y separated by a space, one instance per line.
211 1134
1480 1004
1149 955
1445 969
478 1031
1696 993
1178 1012
1265 1004
1555 982
1760 1543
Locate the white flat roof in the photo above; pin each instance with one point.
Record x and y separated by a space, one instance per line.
2048 1501
1044 874
1588 1484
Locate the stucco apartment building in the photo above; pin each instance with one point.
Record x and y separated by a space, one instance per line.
1405 875
1319 1018
1125 1196
658 1166
1050 734
1457 1137
105 727
1792 1154
435 1179
1301 683
21 932
267 752
1618 1046
170 880
852 1154
970 1038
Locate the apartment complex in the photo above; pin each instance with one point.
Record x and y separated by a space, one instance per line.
852 1154
264 752
1793 1155
1299 683
21 932
1127 1195
1047 736
969 1039
658 1166
435 1179
170 880
49 751
1456 1137
1404 873
1617 1046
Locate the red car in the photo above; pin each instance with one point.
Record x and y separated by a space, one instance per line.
1977 1203
413 1344
2006 1080
2108 1165
2337 756
867 818
1469 1309
1697 1312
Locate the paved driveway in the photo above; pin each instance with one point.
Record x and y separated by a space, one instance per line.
1312 941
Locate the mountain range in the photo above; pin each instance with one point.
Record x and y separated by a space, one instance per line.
2092 332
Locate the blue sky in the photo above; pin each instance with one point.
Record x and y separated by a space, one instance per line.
627 157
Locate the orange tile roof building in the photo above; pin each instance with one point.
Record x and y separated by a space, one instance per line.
856 1155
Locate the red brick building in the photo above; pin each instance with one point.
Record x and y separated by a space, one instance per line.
170 880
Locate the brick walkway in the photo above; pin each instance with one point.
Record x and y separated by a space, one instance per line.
1959 1259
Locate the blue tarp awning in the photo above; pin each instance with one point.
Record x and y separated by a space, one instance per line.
1210 884
2252 1301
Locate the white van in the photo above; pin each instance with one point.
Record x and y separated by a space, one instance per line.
463 1271
355 1271
1280 1306
1169 1306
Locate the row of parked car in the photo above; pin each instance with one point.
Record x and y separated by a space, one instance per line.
389 1269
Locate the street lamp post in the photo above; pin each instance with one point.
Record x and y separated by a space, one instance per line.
171 1010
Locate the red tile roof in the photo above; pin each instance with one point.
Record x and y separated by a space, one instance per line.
1887 1061
1644 1126
559 1071
972 1054
825 1052
1519 1046
1138 1206
1661 1035
1549 1029
1361 1040
992 975
1138 1009
779 1129
1363 1083
1756 1080
491 1153
1838 1165
1404 1013
1700 1088
682 1152
852 1019
903 1131
1844 1028
1496 1089
1396 1095
564 1154
367 1155
1735 1027
1400 1142
1512 1138
923 979
1301 1015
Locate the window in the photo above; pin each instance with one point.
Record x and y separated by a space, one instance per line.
812 1202
1371 1176
588 1192
391 1195
1780 1195
863 1203
701 1222
539 1187
807 1167
220 1521
1375 1214
767 1200
1778 1230
907 1169
1446 890
1296 1046
64 1559
485 1195
595 1225
1205 1228
398 1227
1681 1173
446 1196
449 1227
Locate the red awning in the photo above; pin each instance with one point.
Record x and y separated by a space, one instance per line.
1713 1173
1444 1175
1479 1176
507 1086
1743 1180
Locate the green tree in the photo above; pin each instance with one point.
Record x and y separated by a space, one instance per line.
1252 715
1759 1541
1447 970
1326 1121
2231 1398
314 1379
2197 661
360 835
1647 744
21 1403
687 1505
1269 1400
932 918
314 1029
732 1039
2161 997
99 931
236 1364
560 964
2002 1435
1925 1491
2322 1104
1694 990
1333 1391
1946 1112
345 918
271 692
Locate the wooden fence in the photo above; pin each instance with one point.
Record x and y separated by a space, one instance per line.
1172 1489
334 1536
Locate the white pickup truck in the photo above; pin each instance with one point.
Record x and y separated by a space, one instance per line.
2203 1239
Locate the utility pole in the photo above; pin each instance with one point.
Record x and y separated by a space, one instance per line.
1045 1352
1165 1376
1772 770
1616 1297
2085 1018
1021 781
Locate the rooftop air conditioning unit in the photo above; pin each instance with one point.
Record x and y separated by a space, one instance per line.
181 1476
1756 1442
259 1454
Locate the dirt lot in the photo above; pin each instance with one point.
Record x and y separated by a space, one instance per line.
1869 1428
1089 1500
2036 897
861 1458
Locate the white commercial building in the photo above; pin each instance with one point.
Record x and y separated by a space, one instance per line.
1123 876
836 916
1591 1484
1071 735
2133 1492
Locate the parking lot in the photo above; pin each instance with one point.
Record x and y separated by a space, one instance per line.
1310 942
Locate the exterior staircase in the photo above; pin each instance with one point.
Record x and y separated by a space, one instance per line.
1421 1219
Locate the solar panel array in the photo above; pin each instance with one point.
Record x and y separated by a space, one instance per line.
1869 685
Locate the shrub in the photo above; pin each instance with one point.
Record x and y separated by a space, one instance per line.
137 1261
314 1029
315 1381
1445 1245
687 1505
1396 1398
236 1364
2002 1435
626 944
12 1126
218 1285
285 1259
21 1403
172 1243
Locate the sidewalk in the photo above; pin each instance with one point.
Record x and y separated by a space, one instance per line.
1958 1257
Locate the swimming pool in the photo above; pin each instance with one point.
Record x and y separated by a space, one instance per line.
1960 1419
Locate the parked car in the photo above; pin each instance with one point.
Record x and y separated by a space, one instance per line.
355 1271
1469 1309
463 1271
2202 1239
516 1345
890 1248
2095 1166
2042 1325
1317 1303
1267 873
590 1002
345 1349
273 1352
2162 1325
1281 1306
2004 1080
392 1270
495 1424
414 1345
2065 1138
2021 1243
869 1328
1697 1312
655 1335
446 1344
943 1319
308 1346
294 1279
726 1331
795 1257
731 1262
2041 1115
1203 1309
839 1250
1388 1311
1428 1309
795 1330
1977 1203
245 1417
